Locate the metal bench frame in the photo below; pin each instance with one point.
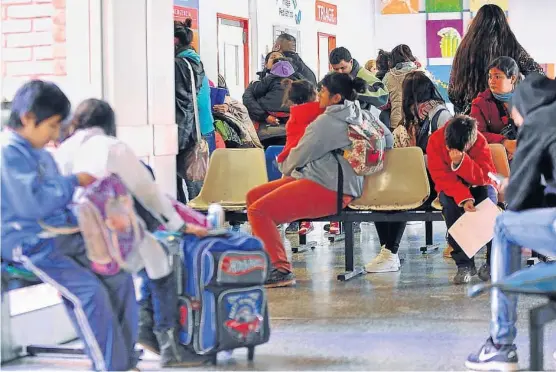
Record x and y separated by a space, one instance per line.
348 217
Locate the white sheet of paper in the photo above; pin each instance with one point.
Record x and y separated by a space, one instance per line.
474 229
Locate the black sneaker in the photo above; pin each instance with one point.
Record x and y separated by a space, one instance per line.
484 273
491 358
279 279
464 275
293 228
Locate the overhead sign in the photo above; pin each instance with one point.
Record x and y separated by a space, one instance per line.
289 9
326 13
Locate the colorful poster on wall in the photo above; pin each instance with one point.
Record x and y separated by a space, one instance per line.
548 69
184 9
443 37
475 5
443 6
441 77
399 6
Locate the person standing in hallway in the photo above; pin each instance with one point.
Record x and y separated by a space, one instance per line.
285 44
489 36
186 56
376 94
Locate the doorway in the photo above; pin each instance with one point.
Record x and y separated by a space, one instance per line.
233 52
326 43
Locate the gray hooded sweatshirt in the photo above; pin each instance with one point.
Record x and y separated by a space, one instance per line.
312 158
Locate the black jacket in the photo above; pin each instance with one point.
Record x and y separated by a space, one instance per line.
185 117
301 68
265 96
533 171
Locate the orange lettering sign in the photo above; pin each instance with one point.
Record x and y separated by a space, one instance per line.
325 12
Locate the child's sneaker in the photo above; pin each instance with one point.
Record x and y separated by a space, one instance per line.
292 228
334 228
493 358
464 275
305 228
484 273
279 279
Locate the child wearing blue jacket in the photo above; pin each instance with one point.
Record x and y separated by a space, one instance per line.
35 200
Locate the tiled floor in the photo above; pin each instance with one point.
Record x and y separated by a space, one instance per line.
411 320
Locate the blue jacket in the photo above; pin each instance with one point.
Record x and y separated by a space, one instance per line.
32 190
203 97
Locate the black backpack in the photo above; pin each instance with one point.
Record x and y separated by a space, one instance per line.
430 125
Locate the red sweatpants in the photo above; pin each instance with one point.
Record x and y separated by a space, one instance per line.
282 201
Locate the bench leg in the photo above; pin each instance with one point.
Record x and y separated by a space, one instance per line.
538 317
351 270
304 246
429 246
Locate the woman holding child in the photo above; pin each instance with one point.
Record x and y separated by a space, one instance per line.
309 188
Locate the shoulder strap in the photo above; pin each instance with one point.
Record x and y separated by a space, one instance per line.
195 105
340 193
434 121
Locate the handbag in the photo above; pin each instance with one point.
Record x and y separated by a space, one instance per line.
196 159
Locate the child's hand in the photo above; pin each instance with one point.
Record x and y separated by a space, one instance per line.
221 108
272 120
85 179
456 156
469 206
198 231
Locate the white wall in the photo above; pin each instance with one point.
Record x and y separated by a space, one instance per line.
208 9
532 22
354 29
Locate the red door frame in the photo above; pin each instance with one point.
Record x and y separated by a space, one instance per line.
245 24
331 45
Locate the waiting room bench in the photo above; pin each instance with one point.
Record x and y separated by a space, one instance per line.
13 278
539 280
395 194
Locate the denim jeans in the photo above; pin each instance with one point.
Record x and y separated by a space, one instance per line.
534 229
211 141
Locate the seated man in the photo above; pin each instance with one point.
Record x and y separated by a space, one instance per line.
376 95
34 201
531 216
459 160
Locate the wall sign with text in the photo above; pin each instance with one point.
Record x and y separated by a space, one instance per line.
184 9
289 9
326 13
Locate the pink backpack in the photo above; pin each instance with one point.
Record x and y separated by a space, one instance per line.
110 227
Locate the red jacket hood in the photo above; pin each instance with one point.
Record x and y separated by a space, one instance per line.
306 113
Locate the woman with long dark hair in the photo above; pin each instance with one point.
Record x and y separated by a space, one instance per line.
489 37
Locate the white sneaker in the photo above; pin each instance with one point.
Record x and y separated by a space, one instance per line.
385 262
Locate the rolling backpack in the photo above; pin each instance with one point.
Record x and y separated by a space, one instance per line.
222 299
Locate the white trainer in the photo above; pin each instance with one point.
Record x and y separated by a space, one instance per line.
385 262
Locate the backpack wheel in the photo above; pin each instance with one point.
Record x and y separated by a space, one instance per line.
251 353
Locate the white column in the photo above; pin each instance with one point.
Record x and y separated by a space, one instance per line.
138 77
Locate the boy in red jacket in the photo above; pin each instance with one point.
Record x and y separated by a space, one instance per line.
459 160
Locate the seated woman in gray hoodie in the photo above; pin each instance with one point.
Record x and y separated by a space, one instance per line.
309 188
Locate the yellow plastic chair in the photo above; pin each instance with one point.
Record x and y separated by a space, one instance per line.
402 184
436 204
231 174
500 158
